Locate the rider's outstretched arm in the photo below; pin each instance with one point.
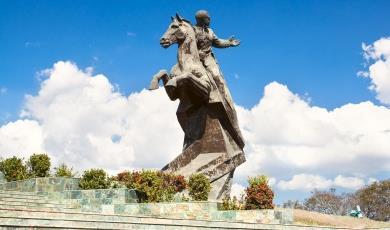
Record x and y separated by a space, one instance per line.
223 43
220 43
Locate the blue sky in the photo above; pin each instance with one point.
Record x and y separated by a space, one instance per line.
313 47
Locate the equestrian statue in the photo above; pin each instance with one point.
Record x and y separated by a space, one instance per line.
213 144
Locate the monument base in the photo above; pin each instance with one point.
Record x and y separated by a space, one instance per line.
63 207
215 154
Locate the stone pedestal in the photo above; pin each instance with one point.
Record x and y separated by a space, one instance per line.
215 154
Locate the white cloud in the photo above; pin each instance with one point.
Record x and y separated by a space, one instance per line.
131 34
86 123
237 190
379 71
348 182
285 136
371 180
32 44
272 181
21 138
308 182
305 182
3 90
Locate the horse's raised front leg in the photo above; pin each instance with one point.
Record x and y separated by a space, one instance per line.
161 75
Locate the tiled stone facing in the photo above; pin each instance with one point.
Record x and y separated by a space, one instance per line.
284 215
202 211
248 216
124 201
2 178
42 185
183 210
95 200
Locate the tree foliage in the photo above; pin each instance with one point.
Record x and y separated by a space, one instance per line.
326 202
64 171
229 203
94 179
39 165
374 200
13 169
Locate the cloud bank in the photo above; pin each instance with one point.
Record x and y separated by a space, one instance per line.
83 120
379 71
287 136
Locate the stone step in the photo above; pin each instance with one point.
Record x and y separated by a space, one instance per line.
22 199
38 219
18 193
33 203
36 206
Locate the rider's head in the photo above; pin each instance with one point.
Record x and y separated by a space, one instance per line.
202 18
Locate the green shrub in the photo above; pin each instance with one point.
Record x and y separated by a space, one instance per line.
156 186
94 179
64 171
232 204
13 169
39 165
199 187
258 194
152 184
257 180
114 183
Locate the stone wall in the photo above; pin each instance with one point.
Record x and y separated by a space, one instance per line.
125 202
42 184
2 178
201 211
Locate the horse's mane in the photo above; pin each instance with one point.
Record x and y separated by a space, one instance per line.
178 17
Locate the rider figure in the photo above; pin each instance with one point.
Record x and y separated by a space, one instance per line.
206 39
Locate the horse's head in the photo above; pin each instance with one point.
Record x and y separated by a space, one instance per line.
177 31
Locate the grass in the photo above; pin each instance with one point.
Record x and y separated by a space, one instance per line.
304 217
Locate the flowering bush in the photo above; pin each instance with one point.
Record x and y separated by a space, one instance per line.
178 182
258 194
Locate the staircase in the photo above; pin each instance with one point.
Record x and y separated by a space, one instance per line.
28 210
58 203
